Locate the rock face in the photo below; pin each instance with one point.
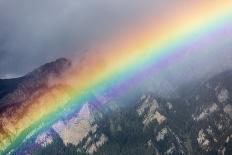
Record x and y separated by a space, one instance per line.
211 115
149 109
73 131
196 124
199 122
157 118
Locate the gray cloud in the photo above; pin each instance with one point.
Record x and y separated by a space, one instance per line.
34 32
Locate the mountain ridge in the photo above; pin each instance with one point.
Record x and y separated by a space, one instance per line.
197 123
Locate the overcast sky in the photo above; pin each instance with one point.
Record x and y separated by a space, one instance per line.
33 32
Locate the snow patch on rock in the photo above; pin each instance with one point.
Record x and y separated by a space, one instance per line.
227 139
149 109
152 117
209 130
222 151
148 104
206 112
228 109
171 149
161 134
44 139
94 146
202 140
170 106
223 95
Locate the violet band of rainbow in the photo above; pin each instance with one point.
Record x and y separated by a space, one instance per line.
124 67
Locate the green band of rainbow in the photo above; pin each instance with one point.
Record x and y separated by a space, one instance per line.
160 48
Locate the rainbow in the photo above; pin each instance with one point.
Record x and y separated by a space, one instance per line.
124 61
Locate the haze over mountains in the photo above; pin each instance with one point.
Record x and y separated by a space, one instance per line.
117 77
198 122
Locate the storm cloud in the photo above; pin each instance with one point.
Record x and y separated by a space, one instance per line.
35 32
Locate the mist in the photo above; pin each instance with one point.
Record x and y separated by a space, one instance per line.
35 32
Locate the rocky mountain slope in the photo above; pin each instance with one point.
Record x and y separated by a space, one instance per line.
24 95
198 122
211 110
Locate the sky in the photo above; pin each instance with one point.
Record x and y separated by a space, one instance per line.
35 32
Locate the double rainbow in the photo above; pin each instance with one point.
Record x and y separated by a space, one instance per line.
133 57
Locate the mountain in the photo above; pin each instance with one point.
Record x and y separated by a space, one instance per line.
196 121
8 85
211 110
15 91
23 96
